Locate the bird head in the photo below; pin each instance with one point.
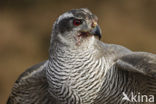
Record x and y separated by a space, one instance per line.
76 27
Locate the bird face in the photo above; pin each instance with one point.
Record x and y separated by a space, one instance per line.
76 26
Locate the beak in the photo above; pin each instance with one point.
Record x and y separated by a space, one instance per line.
96 31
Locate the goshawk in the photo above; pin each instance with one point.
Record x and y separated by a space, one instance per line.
81 69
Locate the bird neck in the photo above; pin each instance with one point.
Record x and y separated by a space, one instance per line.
58 48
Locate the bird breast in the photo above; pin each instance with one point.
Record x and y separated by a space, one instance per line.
75 77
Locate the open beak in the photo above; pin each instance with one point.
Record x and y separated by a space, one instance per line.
96 31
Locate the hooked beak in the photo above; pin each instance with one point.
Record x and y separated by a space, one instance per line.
96 31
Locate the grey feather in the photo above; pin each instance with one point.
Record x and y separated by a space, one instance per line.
31 87
83 70
141 62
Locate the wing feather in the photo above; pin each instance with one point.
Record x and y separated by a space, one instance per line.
140 62
31 87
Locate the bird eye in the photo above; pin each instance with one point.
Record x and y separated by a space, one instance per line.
77 22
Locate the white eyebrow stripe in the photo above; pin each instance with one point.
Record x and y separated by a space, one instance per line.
65 15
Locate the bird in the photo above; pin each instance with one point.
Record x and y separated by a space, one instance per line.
81 69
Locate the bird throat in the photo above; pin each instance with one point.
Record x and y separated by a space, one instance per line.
81 37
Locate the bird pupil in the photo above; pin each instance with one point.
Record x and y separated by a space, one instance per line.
77 22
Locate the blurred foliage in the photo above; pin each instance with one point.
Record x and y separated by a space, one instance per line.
25 28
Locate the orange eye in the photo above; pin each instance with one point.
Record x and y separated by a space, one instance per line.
77 22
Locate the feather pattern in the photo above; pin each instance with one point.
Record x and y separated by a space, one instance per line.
83 70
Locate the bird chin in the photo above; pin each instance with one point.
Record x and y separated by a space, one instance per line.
81 37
